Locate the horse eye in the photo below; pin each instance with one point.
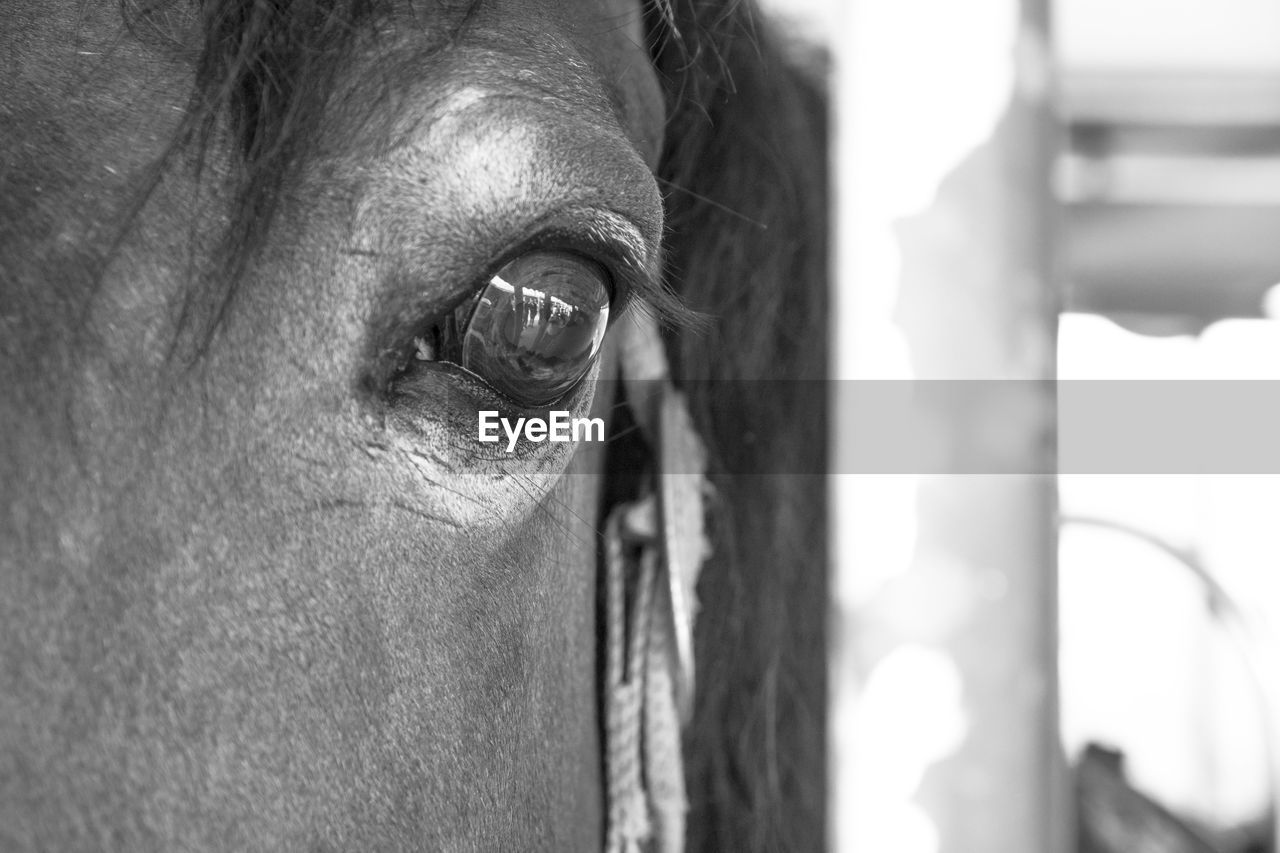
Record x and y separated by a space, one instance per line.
535 330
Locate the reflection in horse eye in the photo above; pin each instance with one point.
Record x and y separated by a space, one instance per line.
535 330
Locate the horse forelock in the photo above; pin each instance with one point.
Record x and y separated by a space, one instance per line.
264 75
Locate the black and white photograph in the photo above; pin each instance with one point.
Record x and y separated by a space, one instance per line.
640 426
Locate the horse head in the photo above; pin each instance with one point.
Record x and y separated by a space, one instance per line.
261 586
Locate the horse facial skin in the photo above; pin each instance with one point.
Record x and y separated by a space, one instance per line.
274 595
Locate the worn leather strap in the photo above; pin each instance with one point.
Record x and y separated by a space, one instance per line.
654 549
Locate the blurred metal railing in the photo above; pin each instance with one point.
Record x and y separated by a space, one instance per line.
1256 653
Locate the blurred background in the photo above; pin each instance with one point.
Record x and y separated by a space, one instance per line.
1170 181
1077 190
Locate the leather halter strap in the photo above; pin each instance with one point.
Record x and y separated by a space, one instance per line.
654 548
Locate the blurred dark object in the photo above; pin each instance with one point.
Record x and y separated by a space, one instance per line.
1112 817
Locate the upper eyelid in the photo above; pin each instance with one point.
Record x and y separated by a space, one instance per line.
616 241
607 231
607 237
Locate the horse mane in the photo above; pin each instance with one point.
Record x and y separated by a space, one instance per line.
745 176
745 182
263 74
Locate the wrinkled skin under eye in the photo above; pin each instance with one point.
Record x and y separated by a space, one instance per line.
534 331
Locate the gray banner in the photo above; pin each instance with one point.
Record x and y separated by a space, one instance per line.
942 427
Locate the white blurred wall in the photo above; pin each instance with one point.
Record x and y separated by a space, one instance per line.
1181 35
815 19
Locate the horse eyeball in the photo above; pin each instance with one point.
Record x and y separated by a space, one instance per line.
536 328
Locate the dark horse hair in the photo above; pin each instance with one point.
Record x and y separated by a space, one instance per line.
744 176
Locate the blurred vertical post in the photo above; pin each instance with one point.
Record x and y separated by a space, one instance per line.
944 671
